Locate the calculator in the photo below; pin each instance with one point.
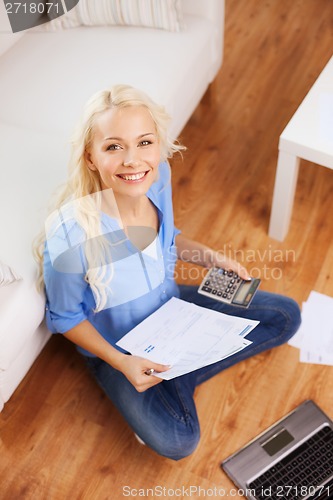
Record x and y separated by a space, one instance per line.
227 286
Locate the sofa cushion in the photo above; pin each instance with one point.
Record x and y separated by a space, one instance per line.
163 14
32 165
54 73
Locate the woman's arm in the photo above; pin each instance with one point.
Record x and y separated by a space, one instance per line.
86 336
197 253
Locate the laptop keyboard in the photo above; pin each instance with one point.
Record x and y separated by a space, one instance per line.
300 473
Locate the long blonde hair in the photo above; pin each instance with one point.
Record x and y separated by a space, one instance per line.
82 181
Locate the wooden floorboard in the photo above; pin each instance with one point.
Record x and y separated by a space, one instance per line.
60 438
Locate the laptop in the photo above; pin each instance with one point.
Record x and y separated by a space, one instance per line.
293 459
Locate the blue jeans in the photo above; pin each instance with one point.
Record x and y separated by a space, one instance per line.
165 416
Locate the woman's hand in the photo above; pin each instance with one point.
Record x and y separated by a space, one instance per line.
85 335
193 251
220 260
134 368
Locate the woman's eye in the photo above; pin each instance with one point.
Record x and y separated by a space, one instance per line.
145 143
113 147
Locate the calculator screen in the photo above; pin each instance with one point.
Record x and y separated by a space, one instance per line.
241 295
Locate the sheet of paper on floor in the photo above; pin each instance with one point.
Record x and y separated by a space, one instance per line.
315 336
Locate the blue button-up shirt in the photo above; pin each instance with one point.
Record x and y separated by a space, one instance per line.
141 280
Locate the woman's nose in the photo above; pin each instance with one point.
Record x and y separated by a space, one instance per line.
131 159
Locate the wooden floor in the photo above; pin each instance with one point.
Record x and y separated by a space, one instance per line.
59 437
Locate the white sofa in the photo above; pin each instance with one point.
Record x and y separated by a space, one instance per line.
45 78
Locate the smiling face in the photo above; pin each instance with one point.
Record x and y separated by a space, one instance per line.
125 150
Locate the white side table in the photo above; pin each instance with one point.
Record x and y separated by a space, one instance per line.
308 135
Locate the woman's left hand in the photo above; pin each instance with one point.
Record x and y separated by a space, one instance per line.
220 260
193 251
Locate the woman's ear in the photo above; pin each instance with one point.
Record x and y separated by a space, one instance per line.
90 163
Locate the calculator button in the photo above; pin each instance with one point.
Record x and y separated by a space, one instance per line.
207 282
214 292
224 295
219 294
206 289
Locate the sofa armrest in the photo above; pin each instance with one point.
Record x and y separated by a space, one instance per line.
209 9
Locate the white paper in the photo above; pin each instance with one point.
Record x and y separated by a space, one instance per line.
315 336
297 339
316 358
187 337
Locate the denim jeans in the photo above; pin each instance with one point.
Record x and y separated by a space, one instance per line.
165 416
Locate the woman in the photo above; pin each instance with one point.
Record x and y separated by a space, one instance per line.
108 263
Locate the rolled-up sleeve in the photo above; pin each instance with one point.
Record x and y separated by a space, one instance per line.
66 296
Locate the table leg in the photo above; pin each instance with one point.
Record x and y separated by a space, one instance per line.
283 197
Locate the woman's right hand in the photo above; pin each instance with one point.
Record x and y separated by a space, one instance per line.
134 368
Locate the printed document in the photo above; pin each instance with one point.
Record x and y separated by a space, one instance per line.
187 337
315 336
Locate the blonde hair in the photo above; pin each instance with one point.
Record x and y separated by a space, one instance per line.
83 181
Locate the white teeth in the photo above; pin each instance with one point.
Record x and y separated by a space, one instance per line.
134 177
